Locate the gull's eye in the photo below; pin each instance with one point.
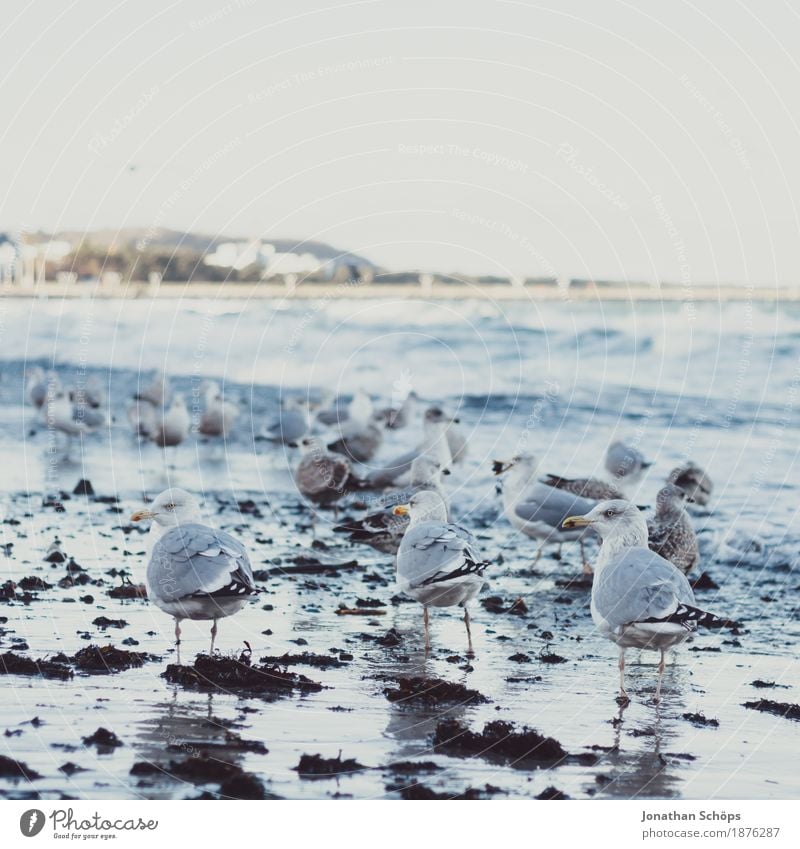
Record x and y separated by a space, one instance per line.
169 506
610 513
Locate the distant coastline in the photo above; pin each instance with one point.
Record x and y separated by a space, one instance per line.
403 291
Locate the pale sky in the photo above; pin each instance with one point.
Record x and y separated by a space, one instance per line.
589 137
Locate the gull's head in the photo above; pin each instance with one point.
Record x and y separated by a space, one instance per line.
670 499
423 506
611 519
311 445
436 415
172 507
524 461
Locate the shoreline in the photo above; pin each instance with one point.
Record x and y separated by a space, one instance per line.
384 291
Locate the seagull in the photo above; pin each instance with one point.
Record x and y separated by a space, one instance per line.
693 481
321 477
438 563
395 418
142 418
360 435
594 488
194 571
292 424
173 426
625 463
91 394
218 414
40 385
383 530
59 414
539 510
157 392
456 440
639 599
670 531
434 444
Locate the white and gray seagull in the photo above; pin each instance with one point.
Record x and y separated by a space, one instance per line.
438 563
538 509
639 599
195 571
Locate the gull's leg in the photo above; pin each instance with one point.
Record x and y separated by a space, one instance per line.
538 557
661 664
178 639
426 621
469 631
557 555
213 635
622 692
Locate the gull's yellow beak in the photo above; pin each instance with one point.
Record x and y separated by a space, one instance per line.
576 522
401 510
141 515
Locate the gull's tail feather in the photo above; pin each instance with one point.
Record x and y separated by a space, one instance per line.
690 617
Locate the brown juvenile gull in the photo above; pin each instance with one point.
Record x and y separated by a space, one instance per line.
383 530
639 599
539 510
625 463
593 488
693 481
322 477
195 571
670 531
438 563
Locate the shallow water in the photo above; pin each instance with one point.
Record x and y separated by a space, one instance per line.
556 379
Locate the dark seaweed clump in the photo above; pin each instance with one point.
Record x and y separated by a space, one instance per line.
229 674
499 740
109 659
784 709
16 664
320 661
104 739
315 766
701 719
9 768
432 691
421 793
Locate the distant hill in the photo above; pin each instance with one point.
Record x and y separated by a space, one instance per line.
161 238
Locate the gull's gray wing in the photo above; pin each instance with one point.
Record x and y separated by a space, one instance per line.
194 559
637 586
550 505
393 469
431 552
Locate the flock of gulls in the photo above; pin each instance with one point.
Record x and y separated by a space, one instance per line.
641 597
